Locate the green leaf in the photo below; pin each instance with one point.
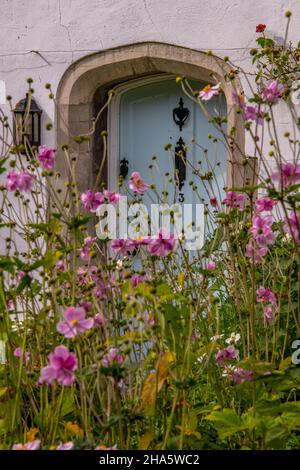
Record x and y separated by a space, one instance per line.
268 407
275 436
48 261
78 221
25 282
68 405
163 289
143 289
265 42
42 226
2 167
226 422
57 216
3 391
7 264
247 189
291 407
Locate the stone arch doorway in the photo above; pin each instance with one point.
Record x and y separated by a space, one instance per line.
85 84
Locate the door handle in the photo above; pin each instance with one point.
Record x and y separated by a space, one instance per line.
123 168
180 162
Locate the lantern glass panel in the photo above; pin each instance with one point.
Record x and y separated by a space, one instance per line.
35 118
28 126
19 127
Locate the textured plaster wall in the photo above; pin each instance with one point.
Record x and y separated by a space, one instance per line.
41 38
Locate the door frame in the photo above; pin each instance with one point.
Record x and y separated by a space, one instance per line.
76 91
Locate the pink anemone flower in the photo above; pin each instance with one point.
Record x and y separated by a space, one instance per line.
85 250
288 174
262 230
226 354
65 446
265 296
46 157
32 445
21 181
91 201
137 184
24 355
162 244
113 198
99 319
272 92
264 204
211 265
209 91
234 200
254 252
238 374
137 279
123 246
61 367
269 315
75 322
292 226
112 357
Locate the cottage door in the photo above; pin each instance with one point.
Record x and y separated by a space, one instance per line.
155 114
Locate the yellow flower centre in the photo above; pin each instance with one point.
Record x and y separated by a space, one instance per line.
74 322
31 434
206 88
74 428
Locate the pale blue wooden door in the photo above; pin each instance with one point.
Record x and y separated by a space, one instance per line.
147 125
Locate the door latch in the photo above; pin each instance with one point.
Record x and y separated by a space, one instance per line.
180 162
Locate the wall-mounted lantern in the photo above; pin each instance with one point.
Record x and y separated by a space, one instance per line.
27 122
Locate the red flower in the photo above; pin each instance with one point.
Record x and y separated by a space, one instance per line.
260 28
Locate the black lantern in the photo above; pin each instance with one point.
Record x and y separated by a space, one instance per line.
27 122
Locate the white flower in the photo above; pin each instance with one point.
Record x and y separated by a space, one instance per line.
202 358
229 370
287 237
216 337
234 338
119 264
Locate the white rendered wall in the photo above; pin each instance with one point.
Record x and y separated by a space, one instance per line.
61 31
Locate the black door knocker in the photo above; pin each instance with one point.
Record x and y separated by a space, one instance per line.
180 114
